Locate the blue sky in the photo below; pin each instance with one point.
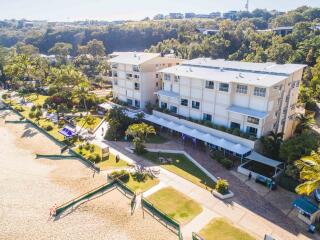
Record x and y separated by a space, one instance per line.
69 10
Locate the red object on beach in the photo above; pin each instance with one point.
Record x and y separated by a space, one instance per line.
53 211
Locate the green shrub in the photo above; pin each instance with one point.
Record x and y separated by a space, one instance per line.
222 186
288 183
4 96
48 127
31 115
19 108
227 163
123 175
33 108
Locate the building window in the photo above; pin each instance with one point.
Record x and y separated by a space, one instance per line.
137 103
184 102
210 84
114 66
235 125
173 109
195 104
136 86
135 68
115 74
207 117
129 102
157 84
260 92
176 78
242 89
136 76
129 75
115 82
253 120
224 87
252 131
157 75
163 105
167 77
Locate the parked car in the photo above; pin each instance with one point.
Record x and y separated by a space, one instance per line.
316 194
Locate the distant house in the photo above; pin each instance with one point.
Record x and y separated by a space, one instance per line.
206 31
282 31
175 15
158 17
230 15
215 15
190 15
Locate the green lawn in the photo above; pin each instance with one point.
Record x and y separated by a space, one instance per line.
140 186
156 139
36 100
223 230
175 204
92 126
110 162
54 132
183 167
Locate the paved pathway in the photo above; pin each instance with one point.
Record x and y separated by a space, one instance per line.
247 209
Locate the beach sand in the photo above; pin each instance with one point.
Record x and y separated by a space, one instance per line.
29 187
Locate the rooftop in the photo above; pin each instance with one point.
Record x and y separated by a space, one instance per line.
134 58
268 67
258 74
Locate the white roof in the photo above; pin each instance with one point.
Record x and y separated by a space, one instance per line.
203 136
134 58
268 67
225 76
247 112
262 159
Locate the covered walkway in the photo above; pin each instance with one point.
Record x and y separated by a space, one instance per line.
212 141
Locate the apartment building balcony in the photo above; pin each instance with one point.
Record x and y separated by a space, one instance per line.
167 94
247 112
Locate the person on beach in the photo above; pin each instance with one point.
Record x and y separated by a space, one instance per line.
249 176
117 158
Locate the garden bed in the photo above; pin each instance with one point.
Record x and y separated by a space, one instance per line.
259 168
175 204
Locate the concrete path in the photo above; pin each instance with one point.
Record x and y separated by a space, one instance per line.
246 210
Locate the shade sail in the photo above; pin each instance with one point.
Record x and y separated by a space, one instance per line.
262 159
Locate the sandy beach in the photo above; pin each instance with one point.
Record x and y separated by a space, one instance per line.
30 187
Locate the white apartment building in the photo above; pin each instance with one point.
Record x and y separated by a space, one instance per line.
253 97
135 77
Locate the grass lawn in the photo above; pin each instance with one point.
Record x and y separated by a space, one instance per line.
183 167
175 204
95 123
156 139
54 132
223 230
140 186
110 162
36 100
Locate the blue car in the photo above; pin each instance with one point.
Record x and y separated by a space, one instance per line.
316 194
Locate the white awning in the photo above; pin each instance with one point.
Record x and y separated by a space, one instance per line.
167 94
254 156
248 112
203 136
106 106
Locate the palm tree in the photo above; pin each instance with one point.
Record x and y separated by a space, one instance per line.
305 122
310 172
271 143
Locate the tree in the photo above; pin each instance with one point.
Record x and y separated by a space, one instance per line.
27 49
280 52
305 121
139 132
94 48
271 144
309 172
61 50
118 123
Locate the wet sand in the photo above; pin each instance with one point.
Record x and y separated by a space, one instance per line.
29 187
